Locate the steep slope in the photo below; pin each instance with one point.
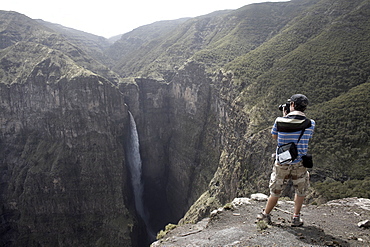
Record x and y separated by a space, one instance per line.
92 45
15 27
63 175
343 141
329 38
129 47
213 39
245 29
325 64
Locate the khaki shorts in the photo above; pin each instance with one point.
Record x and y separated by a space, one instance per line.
281 174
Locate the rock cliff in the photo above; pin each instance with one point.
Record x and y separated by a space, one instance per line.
177 125
62 163
62 169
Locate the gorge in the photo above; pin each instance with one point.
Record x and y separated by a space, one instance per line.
203 92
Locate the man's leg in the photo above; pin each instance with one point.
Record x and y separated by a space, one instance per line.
265 215
277 185
301 183
298 202
296 220
300 178
271 202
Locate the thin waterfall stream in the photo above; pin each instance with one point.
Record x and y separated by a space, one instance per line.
135 167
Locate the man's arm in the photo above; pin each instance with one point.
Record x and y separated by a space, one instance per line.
274 137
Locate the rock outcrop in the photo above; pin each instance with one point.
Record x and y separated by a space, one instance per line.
235 224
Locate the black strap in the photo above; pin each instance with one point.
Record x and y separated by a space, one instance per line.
303 130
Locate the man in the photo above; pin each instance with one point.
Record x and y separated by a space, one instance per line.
287 129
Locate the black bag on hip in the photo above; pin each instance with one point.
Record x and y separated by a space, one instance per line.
307 160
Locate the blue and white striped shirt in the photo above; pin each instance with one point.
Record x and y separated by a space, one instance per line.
286 137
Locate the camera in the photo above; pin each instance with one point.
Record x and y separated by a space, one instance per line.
285 107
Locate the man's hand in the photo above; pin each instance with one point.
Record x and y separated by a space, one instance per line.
285 112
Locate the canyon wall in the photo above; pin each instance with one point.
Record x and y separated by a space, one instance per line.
62 169
179 140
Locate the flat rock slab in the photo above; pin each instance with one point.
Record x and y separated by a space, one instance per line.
331 224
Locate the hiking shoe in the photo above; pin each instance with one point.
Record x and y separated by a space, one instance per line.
297 221
265 217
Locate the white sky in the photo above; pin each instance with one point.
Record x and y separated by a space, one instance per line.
108 18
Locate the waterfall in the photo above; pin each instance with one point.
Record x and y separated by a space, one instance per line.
135 167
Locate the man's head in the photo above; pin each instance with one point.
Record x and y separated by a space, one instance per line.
300 102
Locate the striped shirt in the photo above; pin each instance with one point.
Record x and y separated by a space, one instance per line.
286 137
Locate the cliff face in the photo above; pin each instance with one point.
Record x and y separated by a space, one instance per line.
245 155
177 125
62 169
62 163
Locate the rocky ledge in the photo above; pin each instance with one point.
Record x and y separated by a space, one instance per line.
341 222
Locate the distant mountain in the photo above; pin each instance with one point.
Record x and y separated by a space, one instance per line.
214 39
16 27
76 35
114 38
92 44
127 50
85 52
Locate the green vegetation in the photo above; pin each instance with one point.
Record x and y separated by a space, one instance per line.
324 56
214 39
163 233
341 143
228 206
331 190
261 225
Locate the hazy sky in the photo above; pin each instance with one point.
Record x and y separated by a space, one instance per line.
112 17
